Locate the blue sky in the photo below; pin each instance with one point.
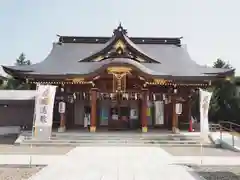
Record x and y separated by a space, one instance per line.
211 28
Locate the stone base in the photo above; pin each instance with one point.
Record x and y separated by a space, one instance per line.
175 130
93 129
61 129
144 129
42 133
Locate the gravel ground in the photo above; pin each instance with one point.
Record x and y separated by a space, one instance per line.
196 151
218 172
17 173
47 150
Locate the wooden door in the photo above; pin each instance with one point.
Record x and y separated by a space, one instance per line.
119 117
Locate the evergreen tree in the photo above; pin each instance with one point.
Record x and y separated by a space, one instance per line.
224 104
13 83
21 60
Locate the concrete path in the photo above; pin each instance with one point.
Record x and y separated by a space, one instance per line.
29 159
51 159
208 160
122 163
115 163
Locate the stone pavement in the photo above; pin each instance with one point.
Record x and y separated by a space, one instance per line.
37 150
197 151
29 159
115 163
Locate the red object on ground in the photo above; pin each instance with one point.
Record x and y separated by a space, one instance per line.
190 129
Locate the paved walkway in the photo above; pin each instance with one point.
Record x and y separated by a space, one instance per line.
120 163
115 163
29 159
49 159
164 156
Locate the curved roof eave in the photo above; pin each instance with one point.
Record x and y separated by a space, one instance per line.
26 68
103 65
219 71
14 72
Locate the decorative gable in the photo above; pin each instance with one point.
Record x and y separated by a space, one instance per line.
120 46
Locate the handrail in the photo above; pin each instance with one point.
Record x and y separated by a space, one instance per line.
230 123
222 128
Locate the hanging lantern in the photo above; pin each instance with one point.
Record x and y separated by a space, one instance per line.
154 97
127 96
163 96
111 96
136 97
74 96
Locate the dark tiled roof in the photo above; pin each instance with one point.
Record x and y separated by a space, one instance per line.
167 59
64 59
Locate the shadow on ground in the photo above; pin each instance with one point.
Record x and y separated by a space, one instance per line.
8 139
217 172
219 175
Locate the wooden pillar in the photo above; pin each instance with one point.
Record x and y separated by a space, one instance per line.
174 116
189 115
189 108
144 108
93 116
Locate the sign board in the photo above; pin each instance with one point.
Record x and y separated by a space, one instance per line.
205 98
43 114
62 107
133 113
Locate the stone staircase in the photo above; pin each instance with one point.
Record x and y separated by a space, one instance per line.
112 139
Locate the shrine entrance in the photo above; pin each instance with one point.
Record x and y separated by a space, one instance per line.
120 104
124 115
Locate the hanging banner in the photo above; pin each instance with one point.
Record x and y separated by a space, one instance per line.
104 113
149 113
205 98
44 103
159 112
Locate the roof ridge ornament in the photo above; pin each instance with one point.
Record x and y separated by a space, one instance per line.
120 30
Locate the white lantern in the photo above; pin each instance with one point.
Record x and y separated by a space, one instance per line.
178 108
62 107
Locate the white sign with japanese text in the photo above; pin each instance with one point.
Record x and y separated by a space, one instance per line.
205 98
44 103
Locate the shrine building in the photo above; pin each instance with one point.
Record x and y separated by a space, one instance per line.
120 82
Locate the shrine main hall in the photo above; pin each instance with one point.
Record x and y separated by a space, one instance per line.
120 82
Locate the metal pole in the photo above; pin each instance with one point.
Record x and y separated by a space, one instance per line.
33 128
202 134
221 133
201 153
233 143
